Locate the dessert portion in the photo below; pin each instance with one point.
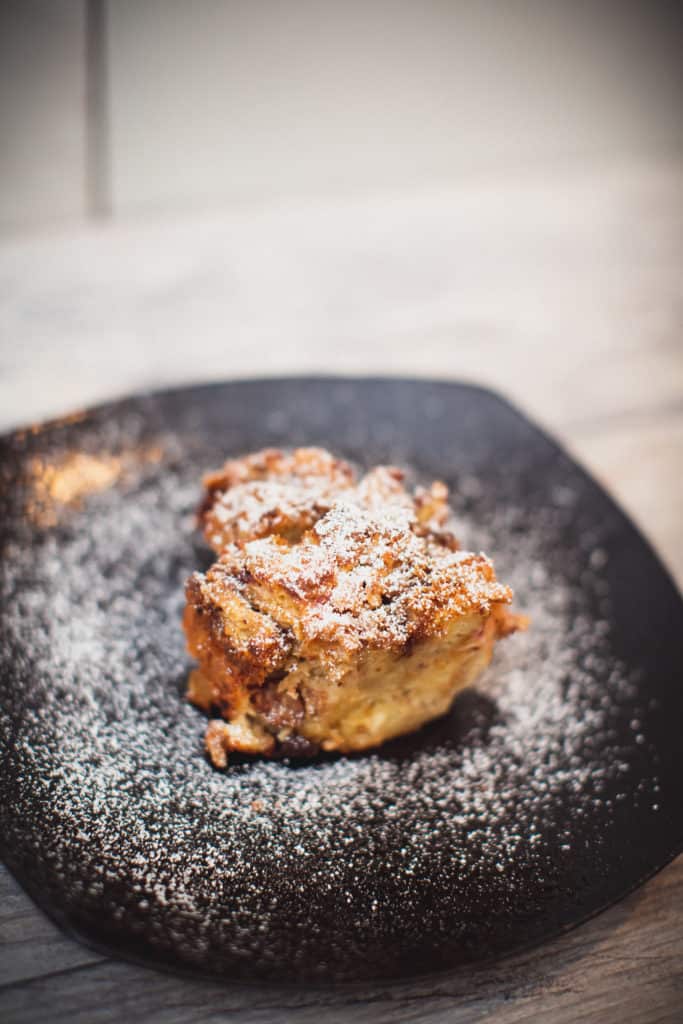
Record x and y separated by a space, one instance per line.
340 612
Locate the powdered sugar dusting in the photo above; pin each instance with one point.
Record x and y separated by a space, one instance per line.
424 852
370 576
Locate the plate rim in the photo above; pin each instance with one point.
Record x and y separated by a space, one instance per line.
624 517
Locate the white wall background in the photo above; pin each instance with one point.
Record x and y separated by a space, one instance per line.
42 112
221 102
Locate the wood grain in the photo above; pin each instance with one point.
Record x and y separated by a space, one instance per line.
30 944
565 294
624 965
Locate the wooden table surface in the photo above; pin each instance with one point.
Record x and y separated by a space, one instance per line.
564 292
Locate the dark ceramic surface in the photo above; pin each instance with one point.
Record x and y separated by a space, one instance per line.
552 788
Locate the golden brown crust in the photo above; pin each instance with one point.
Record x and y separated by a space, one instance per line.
271 492
235 645
311 607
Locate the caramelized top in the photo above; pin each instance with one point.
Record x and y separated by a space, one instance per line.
317 564
275 493
271 492
360 578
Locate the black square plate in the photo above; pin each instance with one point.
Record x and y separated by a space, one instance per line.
551 789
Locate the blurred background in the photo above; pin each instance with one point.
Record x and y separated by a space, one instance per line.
112 108
120 107
486 190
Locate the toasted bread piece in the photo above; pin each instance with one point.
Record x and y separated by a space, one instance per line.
340 634
274 492
271 492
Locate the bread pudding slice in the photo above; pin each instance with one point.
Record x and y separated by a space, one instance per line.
342 634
